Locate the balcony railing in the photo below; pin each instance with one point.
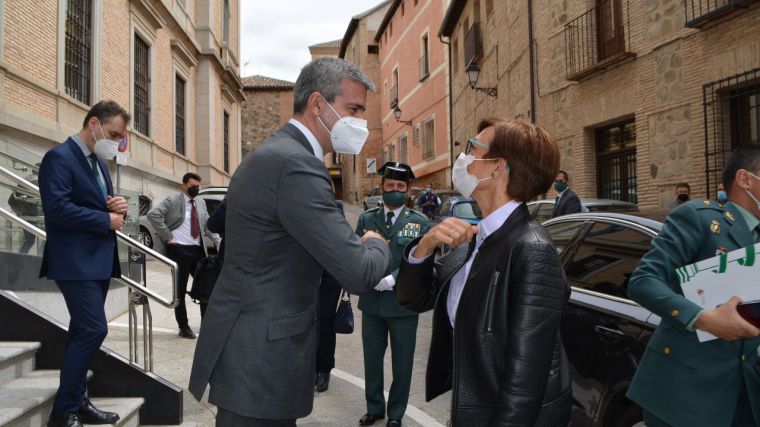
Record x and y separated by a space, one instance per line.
700 12
424 67
394 96
597 39
473 44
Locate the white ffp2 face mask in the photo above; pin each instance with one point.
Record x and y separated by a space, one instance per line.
465 182
348 134
105 148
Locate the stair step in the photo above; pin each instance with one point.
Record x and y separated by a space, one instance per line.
27 401
16 359
128 409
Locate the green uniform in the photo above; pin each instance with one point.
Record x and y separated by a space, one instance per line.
381 316
681 381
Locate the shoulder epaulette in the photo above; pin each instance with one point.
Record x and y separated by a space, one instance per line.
700 204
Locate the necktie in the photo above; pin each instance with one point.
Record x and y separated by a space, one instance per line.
195 228
389 220
101 184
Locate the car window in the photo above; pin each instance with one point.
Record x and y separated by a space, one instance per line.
211 205
467 210
562 232
606 258
613 208
443 210
544 211
374 192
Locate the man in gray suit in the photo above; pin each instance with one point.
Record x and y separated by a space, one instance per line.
180 223
258 341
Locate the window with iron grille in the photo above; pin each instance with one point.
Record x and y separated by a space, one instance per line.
616 162
78 49
473 44
732 120
226 21
428 135
424 59
226 142
402 148
416 136
701 12
142 86
597 38
179 115
391 153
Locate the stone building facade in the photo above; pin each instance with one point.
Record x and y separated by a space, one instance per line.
640 95
268 106
414 87
171 63
359 47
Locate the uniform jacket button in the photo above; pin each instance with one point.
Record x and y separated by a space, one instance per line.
666 350
675 313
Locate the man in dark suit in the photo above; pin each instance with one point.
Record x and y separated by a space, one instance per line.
681 381
258 342
567 202
80 254
382 317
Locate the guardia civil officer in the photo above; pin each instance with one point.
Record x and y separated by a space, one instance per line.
381 316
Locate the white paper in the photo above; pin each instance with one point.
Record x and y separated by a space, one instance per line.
713 281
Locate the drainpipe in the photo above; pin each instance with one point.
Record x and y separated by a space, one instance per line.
451 111
532 64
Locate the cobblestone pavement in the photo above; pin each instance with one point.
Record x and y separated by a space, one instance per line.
342 405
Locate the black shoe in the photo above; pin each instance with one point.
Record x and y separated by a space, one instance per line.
369 419
186 332
70 419
323 381
89 414
394 423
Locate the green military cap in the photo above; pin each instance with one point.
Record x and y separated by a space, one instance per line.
397 171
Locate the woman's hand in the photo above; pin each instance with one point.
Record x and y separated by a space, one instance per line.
452 232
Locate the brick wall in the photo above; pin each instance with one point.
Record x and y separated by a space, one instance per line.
661 88
263 113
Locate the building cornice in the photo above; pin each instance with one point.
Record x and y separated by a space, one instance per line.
387 19
450 20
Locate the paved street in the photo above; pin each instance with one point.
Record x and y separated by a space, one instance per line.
342 405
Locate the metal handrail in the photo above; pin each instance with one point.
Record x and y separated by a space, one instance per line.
134 244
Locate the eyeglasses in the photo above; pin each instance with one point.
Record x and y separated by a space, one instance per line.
472 142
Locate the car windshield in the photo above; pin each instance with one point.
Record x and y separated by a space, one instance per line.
467 210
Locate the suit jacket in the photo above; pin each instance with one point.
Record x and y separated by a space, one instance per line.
569 203
170 214
409 225
80 244
258 341
679 379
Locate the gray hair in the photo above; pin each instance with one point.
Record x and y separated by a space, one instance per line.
324 75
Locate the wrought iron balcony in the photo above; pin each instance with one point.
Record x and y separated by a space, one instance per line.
597 39
394 96
701 12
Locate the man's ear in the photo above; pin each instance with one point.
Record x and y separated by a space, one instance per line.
315 103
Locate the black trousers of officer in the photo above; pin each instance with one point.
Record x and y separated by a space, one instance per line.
187 258
329 293
225 418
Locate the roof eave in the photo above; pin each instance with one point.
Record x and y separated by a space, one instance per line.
387 19
451 18
352 26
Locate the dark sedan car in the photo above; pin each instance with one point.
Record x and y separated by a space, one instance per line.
541 210
604 333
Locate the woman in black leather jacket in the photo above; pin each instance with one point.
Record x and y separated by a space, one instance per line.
498 295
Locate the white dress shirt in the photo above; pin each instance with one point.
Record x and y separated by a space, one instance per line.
311 138
86 151
487 226
182 235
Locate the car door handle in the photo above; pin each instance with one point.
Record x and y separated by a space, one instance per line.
608 332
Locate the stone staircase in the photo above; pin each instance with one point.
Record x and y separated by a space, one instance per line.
26 394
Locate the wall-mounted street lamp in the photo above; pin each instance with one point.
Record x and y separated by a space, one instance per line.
473 72
397 115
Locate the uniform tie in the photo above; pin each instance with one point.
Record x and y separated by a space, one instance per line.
195 228
101 184
389 219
